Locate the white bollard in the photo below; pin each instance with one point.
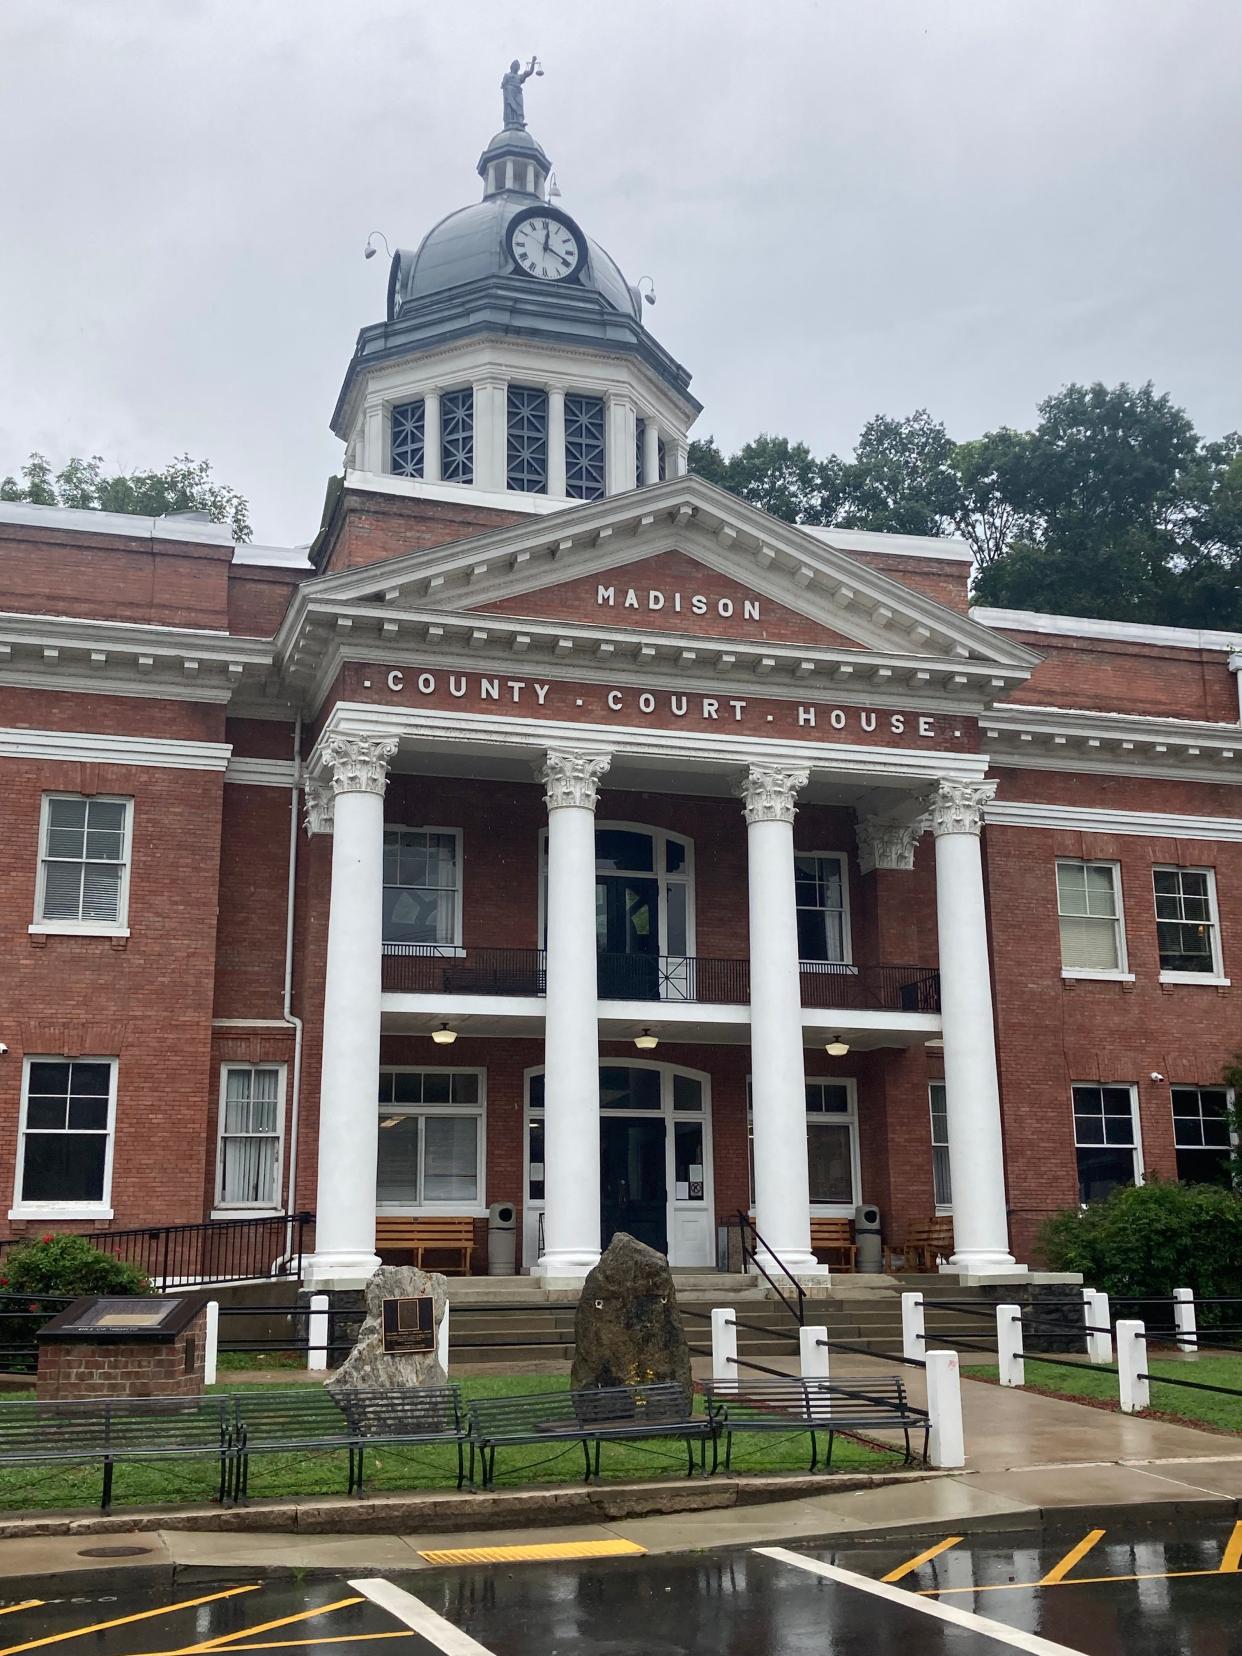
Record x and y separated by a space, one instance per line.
317 1332
1097 1314
1131 1364
724 1345
912 1342
947 1444
1185 1322
442 1339
813 1353
211 1343
1009 1345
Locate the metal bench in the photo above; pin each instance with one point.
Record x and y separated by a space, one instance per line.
310 1417
614 1414
819 1407
107 1431
417 1237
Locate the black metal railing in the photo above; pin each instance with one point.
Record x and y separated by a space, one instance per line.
217 1250
427 969
795 1302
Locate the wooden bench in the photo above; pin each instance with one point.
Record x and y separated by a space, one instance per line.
614 1414
818 1407
835 1236
422 1236
923 1246
108 1431
306 1418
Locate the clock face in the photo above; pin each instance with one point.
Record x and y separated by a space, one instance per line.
544 247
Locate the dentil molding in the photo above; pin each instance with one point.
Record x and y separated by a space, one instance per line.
572 778
886 844
768 793
957 807
358 764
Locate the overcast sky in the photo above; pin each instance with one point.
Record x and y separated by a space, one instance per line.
846 205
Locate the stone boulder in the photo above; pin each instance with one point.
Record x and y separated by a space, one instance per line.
628 1330
368 1364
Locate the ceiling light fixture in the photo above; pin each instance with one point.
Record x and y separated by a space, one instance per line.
444 1036
646 1042
837 1048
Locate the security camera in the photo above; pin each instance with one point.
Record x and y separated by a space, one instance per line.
4 1051
1156 1075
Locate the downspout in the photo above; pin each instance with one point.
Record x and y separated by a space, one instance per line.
287 1013
1235 667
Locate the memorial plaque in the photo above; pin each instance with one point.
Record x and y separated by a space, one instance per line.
409 1324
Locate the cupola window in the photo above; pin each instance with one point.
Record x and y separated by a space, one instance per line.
408 439
584 447
528 440
457 436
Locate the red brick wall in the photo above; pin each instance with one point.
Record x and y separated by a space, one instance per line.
367 528
95 1369
259 596
56 571
945 580
1108 676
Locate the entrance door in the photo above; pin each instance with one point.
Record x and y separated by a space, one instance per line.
627 935
633 1180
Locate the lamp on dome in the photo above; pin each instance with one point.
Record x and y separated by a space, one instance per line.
837 1048
444 1036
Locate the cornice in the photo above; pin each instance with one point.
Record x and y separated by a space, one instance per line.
261 773
1098 819
90 747
1071 739
1116 632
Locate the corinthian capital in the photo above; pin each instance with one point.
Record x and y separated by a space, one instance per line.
571 778
957 807
768 794
358 764
317 802
886 844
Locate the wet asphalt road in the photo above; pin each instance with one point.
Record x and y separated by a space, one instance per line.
1162 1592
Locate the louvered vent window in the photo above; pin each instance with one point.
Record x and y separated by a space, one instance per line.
408 439
584 447
457 436
528 440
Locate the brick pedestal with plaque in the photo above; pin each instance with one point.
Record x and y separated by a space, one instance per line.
136 1346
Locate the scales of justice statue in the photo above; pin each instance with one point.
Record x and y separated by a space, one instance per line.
511 91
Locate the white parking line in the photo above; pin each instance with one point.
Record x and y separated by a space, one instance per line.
1030 1642
421 1617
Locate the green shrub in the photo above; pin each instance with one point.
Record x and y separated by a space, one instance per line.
1143 1241
56 1267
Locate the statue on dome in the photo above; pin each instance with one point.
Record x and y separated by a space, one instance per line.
511 91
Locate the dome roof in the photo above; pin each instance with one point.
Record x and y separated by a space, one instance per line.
470 246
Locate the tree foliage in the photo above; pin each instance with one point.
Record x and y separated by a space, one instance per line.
183 485
1111 505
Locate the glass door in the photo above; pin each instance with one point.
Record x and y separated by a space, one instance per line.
633 1181
627 935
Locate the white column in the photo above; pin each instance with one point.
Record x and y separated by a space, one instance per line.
620 443
571 1028
651 450
344 1255
374 435
431 436
778 1076
557 488
491 433
679 453
976 1152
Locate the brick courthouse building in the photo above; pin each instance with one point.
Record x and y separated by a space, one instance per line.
563 830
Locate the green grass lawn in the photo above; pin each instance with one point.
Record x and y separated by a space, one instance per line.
27 1488
1196 1408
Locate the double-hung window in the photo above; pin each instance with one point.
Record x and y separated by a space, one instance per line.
831 1146
64 1162
422 887
248 1163
942 1184
1106 1139
430 1140
1202 1136
1186 924
84 847
1090 918
823 916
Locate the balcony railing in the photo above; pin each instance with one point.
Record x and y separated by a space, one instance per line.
422 969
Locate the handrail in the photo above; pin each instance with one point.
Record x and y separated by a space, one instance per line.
747 1224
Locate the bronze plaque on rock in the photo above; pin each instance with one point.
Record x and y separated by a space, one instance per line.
409 1324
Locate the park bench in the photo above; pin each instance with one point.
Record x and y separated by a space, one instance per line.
306 1418
923 1245
108 1431
835 1237
417 1237
613 1414
819 1407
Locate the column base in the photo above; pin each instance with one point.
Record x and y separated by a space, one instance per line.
345 1269
804 1266
567 1268
975 1262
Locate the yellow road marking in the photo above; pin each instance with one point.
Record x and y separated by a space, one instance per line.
1232 1560
225 1641
534 1553
121 1621
1074 1581
912 1564
26 1604
1075 1555
334 1638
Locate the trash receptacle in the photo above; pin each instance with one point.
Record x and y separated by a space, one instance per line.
501 1239
867 1237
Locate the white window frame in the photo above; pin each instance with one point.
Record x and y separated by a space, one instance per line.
83 928
1120 973
1216 975
846 963
440 951
462 1210
660 838
818 1210
937 1144
101 1209
228 1210
1136 1123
